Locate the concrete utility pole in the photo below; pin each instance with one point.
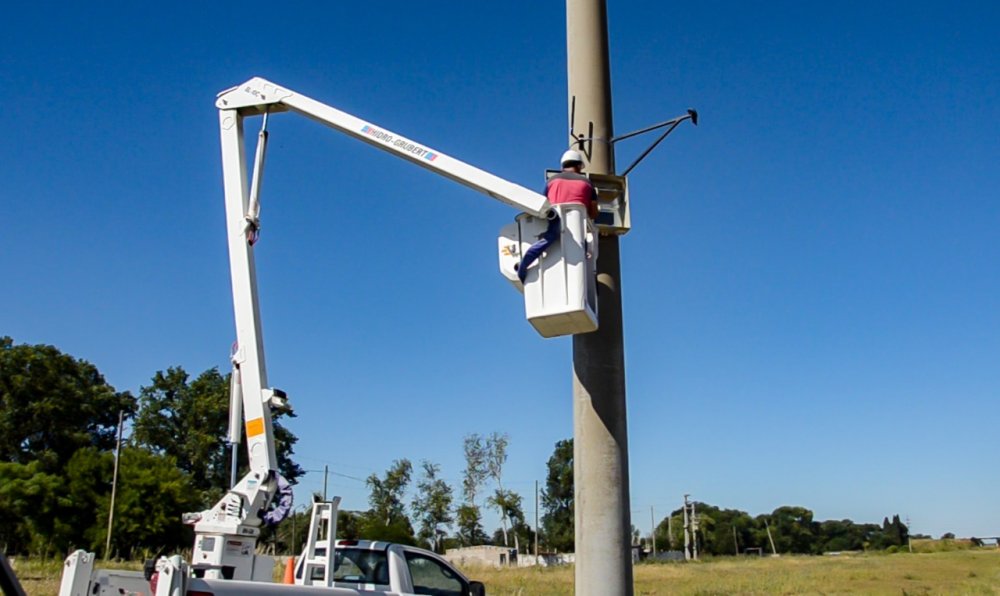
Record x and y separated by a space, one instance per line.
687 531
114 484
652 522
909 542
694 531
536 522
767 526
600 447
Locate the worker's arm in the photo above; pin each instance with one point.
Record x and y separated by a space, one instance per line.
592 209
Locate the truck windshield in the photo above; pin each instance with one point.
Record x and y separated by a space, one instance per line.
361 566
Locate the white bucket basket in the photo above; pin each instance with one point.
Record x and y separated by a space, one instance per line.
560 290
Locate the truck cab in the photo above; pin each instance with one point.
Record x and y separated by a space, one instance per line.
360 567
367 565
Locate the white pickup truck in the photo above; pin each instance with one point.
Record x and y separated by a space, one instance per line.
360 567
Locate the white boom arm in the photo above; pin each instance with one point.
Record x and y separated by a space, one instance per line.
258 96
226 535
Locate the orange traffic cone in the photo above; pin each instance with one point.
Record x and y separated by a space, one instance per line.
289 571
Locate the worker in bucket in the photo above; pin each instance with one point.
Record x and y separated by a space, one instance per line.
568 186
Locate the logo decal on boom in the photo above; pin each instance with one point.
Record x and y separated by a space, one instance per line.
399 144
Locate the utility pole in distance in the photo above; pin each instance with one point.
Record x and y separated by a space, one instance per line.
652 522
536 522
114 484
687 531
600 447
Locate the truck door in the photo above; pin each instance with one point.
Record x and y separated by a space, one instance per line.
431 577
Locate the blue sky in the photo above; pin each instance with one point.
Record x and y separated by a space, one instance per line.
811 300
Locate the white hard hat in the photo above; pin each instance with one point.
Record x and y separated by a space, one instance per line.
571 156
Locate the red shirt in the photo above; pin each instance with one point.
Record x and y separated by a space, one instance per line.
570 187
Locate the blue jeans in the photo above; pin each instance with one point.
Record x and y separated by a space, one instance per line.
535 250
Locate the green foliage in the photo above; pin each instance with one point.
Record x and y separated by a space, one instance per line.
386 497
45 514
470 526
723 531
348 524
667 533
34 506
432 506
557 499
509 504
189 420
387 520
844 535
720 532
524 534
52 404
152 494
58 420
890 534
476 470
397 530
793 529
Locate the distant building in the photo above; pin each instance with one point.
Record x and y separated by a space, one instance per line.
502 556
486 555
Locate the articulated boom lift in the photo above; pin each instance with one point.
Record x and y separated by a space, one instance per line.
560 294
226 535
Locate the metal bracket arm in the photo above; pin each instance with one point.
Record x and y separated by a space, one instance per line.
691 115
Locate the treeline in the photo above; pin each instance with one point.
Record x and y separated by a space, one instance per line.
791 530
422 509
58 429
58 422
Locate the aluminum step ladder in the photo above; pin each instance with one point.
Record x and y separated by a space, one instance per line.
316 568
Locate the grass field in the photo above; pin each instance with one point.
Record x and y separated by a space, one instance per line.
965 571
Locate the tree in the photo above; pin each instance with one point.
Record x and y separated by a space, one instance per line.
53 514
793 529
153 493
717 527
892 533
189 422
840 535
557 499
496 457
386 520
476 470
348 524
661 535
469 519
508 503
900 532
52 404
432 505
32 508
470 526
386 497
